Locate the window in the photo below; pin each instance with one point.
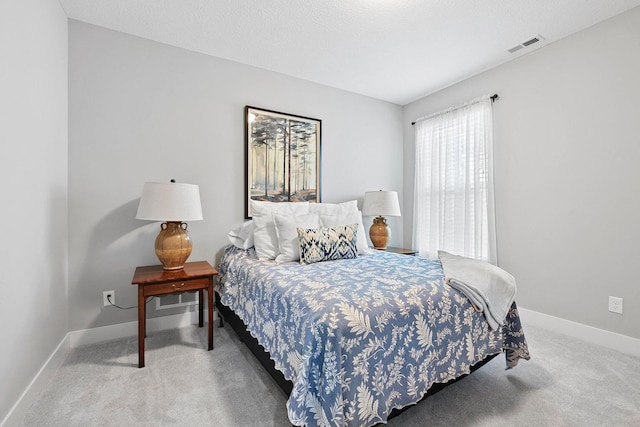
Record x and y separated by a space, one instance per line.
453 188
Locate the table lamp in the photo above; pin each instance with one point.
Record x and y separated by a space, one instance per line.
171 203
380 204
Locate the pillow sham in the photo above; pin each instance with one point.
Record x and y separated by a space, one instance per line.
334 208
262 208
288 236
327 243
242 237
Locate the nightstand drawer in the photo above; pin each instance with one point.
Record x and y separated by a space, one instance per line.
177 286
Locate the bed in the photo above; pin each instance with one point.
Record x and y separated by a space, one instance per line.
353 340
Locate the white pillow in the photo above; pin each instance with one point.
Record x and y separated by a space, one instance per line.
349 218
265 239
363 245
260 208
288 236
242 237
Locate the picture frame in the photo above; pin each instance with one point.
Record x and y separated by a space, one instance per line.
282 157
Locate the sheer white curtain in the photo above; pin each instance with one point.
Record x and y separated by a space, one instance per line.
453 191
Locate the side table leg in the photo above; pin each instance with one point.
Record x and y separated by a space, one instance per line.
200 307
141 326
210 308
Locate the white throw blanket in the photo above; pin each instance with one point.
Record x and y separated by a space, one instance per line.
489 288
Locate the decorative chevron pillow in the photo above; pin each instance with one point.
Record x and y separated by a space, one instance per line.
327 243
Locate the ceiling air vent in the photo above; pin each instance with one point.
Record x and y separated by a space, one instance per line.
528 43
516 48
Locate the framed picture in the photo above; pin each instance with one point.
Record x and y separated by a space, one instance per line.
282 157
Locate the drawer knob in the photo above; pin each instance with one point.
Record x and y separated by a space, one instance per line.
177 287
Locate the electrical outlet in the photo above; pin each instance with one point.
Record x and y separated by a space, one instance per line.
615 305
108 295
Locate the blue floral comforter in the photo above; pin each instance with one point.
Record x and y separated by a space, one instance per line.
362 336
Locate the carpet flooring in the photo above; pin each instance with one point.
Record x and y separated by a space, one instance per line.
567 382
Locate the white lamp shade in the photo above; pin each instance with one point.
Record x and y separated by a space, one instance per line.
172 201
381 203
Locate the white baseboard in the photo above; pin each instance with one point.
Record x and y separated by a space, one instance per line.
84 337
122 330
622 343
39 381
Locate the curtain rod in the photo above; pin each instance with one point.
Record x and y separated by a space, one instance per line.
493 97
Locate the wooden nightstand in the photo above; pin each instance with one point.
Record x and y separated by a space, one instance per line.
153 280
402 251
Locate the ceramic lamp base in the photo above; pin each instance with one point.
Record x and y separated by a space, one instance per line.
173 245
379 233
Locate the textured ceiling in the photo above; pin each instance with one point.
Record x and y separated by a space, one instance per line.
394 50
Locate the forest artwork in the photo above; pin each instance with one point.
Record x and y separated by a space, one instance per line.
282 157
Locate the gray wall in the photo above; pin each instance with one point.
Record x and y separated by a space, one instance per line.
33 150
144 111
567 147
